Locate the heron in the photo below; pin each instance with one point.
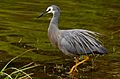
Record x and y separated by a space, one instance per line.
72 42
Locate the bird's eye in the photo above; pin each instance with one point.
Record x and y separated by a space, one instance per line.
49 9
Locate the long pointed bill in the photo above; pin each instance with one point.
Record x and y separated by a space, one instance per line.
43 13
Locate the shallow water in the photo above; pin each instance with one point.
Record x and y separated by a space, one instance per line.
21 31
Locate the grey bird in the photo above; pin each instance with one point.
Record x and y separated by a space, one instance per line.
73 42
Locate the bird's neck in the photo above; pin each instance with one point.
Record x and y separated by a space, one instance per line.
53 29
53 26
54 20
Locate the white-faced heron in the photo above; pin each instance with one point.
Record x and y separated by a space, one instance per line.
73 42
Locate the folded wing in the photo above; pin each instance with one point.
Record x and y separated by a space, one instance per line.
79 41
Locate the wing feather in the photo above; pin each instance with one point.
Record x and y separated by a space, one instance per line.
79 42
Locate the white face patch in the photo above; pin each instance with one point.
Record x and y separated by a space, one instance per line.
50 10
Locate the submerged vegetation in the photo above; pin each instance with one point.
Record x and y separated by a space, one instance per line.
16 73
21 31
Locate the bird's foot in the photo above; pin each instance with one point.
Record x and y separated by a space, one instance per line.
76 59
74 68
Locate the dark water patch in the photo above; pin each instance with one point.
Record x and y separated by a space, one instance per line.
4 56
2 28
15 35
3 38
25 60
108 66
47 52
115 6
3 52
36 50
14 64
22 45
113 28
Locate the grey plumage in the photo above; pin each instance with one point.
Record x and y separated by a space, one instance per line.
79 41
74 41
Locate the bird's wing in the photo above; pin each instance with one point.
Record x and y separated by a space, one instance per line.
79 41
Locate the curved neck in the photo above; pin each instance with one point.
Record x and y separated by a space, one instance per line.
54 20
53 29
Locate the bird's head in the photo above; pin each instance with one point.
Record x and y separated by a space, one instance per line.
51 9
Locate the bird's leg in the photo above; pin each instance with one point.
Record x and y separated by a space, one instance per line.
76 61
77 64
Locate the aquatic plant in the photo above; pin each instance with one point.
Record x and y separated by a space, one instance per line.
17 72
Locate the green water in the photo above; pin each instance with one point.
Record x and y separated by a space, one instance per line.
20 31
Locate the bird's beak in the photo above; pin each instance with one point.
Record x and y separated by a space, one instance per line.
43 13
